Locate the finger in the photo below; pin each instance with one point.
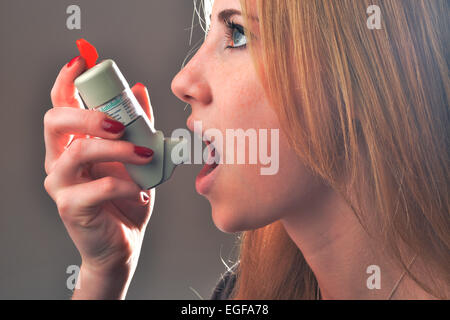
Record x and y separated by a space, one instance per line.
63 91
88 151
81 198
61 122
142 96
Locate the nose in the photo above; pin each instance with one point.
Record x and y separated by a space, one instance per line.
191 85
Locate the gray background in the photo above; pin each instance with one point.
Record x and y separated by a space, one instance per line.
149 40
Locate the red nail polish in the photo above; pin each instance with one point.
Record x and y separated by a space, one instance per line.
143 152
71 62
112 126
140 84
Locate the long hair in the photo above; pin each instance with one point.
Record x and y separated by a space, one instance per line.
371 107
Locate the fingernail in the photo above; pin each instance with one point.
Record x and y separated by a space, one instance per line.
140 84
112 126
143 152
71 62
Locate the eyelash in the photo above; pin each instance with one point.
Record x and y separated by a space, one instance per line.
231 26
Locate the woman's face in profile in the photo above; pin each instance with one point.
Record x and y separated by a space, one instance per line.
222 87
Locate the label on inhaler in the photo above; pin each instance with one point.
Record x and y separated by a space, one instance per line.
120 108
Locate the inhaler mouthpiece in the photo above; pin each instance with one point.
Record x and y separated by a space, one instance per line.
104 88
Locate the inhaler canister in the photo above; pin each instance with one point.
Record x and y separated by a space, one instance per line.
104 88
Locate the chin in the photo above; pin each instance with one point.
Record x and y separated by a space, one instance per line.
227 220
232 220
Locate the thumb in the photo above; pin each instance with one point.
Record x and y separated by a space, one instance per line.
142 96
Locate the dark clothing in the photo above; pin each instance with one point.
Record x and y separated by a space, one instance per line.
225 285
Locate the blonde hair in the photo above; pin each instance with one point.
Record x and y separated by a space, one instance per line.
371 108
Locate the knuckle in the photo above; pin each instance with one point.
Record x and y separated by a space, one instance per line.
54 94
70 211
91 119
48 184
47 166
49 119
124 148
118 148
64 205
77 147
109 184
84 117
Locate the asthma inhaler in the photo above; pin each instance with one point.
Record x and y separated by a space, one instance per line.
103 88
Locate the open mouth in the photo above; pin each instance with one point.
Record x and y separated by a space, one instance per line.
213 159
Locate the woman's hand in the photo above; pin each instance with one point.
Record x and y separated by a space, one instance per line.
103 210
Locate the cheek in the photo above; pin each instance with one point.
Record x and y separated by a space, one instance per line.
240 98
244 199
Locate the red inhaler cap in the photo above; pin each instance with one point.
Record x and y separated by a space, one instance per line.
88 52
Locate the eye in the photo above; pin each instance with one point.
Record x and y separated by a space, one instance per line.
236 35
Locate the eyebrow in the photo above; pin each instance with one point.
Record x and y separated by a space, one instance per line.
228 13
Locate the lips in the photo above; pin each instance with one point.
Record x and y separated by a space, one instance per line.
213 159
207 176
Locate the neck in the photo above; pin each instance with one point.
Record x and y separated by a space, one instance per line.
339 251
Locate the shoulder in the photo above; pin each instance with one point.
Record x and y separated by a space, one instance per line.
225 285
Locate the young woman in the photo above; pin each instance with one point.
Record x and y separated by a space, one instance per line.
359 208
